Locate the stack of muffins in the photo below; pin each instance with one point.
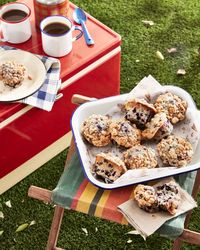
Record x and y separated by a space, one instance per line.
143 121
164 197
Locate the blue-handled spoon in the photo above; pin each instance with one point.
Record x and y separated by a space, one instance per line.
80 18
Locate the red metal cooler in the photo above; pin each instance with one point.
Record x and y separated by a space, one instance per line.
30 136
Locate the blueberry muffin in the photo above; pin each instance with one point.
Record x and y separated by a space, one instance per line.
175 151
140 156
168 196
96 131
158 128
108 167
146 198
12 73
174 107
125 134
139 112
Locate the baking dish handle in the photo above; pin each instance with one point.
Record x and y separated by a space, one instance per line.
80 99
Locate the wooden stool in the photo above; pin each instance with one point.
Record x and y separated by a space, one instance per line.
46 195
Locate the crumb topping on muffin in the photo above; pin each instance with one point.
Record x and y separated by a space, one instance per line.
12 73
174 107
175 151
146 198
140 156
96 131
125 134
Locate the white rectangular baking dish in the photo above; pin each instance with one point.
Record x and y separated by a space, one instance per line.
102 106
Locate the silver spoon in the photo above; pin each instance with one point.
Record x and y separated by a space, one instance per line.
80 18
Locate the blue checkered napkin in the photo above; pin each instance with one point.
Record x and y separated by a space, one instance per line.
45 97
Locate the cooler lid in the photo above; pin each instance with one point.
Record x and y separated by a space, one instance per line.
80 57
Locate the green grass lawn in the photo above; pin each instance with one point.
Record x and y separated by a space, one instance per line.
177 24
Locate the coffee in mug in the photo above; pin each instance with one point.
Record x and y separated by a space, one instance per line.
57 36
15 22
14 15
56 28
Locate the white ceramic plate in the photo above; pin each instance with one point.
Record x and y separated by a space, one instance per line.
34 68
102 106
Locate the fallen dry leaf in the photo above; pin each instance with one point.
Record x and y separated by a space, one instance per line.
21 227
148 23
8 203
85 231
159 55
181 72
1 232
1 215
33 222
129 241
172 50
133 232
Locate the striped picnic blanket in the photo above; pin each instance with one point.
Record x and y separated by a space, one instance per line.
75 192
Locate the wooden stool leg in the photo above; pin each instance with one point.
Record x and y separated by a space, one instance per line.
194 195
177 245
178 242
55 228
59 211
